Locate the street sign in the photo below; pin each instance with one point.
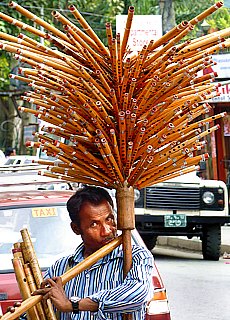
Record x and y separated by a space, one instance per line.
144 28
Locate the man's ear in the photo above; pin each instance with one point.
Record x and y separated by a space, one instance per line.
75 228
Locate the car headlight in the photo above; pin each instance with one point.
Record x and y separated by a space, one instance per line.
137 195
208 197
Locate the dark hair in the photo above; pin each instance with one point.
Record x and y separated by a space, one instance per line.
8 151
93 195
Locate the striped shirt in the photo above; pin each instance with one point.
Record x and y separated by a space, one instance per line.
104 284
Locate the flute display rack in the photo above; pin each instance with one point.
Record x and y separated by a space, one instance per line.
126 118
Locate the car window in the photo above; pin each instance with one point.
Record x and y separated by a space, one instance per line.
27 161
49 228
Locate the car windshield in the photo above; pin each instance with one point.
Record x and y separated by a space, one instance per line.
49 228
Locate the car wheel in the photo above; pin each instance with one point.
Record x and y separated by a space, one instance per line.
211 242
149 240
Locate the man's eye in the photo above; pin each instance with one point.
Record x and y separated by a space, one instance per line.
93 224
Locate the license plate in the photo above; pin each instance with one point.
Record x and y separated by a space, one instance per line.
175 220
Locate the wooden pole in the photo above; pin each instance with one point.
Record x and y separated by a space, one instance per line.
126 223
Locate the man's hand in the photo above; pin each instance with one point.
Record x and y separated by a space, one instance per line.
53 289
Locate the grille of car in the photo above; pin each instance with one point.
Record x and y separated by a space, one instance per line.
173 198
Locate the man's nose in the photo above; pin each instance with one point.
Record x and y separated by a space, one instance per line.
105 230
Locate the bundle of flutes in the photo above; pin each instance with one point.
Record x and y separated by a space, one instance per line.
125 117
29 277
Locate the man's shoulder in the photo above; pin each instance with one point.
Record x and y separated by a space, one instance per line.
141 250
137 250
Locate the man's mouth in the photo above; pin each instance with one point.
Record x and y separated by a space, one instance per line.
107 240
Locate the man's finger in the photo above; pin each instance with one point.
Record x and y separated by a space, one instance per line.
40 291
57 280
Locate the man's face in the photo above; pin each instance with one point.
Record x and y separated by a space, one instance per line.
97 226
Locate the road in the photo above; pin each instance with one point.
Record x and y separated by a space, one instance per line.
197 289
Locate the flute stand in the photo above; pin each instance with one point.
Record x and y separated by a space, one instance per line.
125 207
126 222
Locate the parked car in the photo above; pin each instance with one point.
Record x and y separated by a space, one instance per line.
184 206
41 211
20 160
30 179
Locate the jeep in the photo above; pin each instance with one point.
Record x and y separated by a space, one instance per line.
184 206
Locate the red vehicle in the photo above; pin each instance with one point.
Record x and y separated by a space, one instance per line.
41 211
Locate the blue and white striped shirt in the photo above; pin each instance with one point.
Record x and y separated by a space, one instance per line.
103 283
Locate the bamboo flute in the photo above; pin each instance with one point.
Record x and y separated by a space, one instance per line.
111 158
114 101
19 42
66 22
172 34
115 62
206 13
81 178
89 78
169 166
89 30
129 158
22 25
77 156
109 34
67 276
96 119
125 77
125 102
92 159
137 143
122 136
201 43
119 62
48 61
29 249
97 94
33 287
87 51
169 176
127 30
139 169
24 287
38 20
115 147
109 165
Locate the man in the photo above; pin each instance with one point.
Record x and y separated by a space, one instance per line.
100 291
10 152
